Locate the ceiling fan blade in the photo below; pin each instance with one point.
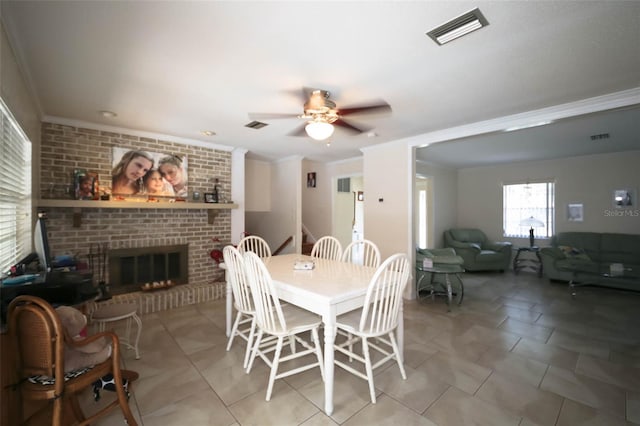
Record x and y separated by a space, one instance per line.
382 107
299 131
268 115
350 127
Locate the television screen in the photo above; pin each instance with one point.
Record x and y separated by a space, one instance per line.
41 243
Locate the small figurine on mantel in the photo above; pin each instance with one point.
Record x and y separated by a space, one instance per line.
216 194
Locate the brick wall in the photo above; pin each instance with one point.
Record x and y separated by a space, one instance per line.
65 148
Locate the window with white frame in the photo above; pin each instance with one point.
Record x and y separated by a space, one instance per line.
15 191
522 201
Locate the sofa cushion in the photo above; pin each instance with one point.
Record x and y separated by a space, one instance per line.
620 248
489 256
468 236
587 242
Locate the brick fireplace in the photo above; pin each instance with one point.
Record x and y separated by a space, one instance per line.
65 148
130 269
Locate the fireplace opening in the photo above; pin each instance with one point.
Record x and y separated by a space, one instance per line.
130 269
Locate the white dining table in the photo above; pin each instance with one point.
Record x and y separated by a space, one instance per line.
330 289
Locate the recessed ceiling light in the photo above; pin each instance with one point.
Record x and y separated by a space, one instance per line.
108 114
208 132
458 27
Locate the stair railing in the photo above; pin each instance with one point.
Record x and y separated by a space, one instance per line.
282 246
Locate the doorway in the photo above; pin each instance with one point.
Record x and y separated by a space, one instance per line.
348 211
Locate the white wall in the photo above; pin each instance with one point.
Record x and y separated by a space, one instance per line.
238 188
258 186
445 198
589 180
316 202
285 217
388 182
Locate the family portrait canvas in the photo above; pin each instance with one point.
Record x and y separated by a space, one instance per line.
139 172
85 185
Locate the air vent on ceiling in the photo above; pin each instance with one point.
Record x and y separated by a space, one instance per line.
256 125
600 136
458 27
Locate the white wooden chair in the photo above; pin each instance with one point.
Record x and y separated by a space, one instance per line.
245 324
278 322
362 252
377 320
327 247
255 244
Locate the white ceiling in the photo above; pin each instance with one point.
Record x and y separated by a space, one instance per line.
178 68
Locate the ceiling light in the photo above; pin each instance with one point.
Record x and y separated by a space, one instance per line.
319 130
108 114
458 27
208 132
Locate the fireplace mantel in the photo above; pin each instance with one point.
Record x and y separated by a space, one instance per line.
78 205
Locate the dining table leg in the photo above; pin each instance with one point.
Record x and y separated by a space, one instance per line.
329 339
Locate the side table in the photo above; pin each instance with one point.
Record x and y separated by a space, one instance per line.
117 312
534 263
453 290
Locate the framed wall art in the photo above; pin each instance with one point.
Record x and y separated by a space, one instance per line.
624 198
575 212
311 180
85 185
138 172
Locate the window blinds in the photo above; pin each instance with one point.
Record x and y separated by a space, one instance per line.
15 191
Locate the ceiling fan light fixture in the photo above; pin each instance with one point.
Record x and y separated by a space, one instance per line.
319 130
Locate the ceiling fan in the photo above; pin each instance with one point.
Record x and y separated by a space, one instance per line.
322 115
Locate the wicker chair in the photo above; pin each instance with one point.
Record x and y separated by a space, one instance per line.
37 332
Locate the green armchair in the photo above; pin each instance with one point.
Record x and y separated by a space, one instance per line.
478 252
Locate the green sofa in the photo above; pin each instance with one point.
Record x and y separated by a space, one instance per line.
478 252
593 253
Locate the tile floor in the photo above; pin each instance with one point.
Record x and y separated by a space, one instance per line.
518 351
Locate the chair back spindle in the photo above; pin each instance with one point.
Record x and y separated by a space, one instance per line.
256 245
327 247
